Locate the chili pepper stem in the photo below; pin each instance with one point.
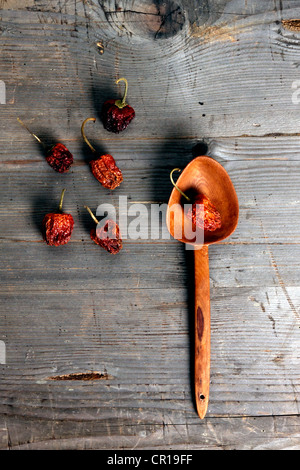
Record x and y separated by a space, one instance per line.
33 135
92 215
122 103
83 133
61 200
175 185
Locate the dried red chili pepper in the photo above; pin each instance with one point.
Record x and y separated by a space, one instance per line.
58 156
57 226
107 235
207 218
104 168
117 114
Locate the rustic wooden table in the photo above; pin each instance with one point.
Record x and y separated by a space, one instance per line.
95 349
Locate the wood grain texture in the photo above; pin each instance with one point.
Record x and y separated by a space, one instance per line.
214 77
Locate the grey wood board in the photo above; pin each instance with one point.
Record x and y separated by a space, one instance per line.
250 268
266 213
216 77
216 434
239 93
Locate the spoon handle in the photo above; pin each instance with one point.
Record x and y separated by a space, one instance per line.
202 330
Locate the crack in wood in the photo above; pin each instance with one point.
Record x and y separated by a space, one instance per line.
85 376
115 12
164 20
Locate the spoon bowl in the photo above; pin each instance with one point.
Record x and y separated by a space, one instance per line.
202 176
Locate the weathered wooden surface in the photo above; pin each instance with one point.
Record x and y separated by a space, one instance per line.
216 75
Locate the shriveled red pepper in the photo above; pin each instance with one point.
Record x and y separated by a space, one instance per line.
207 218
58 226
104 168
107 235
117 114
58 156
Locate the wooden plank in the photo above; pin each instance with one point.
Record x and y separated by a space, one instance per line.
83 267
267 212
264 433
78 76
131 341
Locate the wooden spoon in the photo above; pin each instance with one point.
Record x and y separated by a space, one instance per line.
205 176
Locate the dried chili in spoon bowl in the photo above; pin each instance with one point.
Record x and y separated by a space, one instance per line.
207 218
